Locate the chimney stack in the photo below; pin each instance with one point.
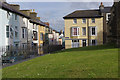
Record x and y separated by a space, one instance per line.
15 6
2 0
26 12
47 23
101 6
33 14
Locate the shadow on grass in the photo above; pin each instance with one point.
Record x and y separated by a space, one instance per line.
89 48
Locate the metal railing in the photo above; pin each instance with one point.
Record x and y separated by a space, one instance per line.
14 54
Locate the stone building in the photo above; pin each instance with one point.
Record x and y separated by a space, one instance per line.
114 25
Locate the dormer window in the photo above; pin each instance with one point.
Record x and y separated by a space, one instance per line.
75 21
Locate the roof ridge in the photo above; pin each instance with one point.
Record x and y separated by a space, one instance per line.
108 6
88 10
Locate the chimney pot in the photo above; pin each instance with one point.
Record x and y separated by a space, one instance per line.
101 3
30 10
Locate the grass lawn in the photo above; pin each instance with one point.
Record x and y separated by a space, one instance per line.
88 62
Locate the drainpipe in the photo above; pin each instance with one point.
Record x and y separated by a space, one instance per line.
27 32
88 29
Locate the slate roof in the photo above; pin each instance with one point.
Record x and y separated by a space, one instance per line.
84 14
96 13
7 7
106 10
38 22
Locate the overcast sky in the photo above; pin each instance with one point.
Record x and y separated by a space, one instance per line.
53 12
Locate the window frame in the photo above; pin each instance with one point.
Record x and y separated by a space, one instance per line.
23 33
75 20
95 30
93 20
41 36
84 19
16 16
35 35
82 31
78 31
95 42
8 15
7 31
11 33
75 44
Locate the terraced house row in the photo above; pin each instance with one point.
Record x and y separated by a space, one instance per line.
87 27
23 28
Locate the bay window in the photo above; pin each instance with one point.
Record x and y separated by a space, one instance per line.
7 31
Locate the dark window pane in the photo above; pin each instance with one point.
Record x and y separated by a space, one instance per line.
84 20
93 20
7 34
7 28
75 20
93 31
84 31
93 42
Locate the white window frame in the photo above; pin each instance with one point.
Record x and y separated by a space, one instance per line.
107 16
95 42
24 32
83 20
8 31
78 31
75 21
75 44
95 30
16 31
82 31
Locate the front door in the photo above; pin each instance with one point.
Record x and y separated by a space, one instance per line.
83 43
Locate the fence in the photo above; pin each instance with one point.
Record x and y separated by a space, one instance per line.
14 54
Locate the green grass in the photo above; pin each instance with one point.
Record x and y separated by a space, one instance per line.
88 62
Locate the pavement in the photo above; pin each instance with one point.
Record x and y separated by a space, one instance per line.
14 63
